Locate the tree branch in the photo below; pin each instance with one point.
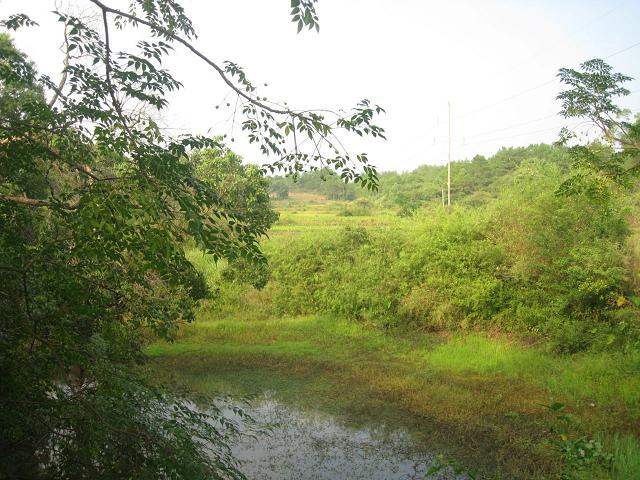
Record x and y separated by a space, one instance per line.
36 202
63 79
107 64
106 9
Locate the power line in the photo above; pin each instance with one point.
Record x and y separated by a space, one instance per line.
507 99
622 51
507 128
523 134
537 87
632 92
522 124
516 95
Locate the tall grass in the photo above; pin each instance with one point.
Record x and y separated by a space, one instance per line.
626 457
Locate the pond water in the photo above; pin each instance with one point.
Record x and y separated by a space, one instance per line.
303 443
313 424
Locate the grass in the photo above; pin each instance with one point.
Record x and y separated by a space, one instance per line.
477 398
303 214
626 453
471 386
605 378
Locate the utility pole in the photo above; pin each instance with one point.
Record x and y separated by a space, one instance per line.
449 162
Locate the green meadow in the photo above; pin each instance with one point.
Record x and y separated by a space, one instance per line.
503 402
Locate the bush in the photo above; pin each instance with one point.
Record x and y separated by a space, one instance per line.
529 262
358 208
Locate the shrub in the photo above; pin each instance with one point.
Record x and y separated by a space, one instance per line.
529 262
360 207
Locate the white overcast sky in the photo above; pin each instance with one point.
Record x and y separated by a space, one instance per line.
494 60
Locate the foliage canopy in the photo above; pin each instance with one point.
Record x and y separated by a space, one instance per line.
592 94
96 204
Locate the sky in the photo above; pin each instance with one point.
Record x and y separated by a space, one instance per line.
495 61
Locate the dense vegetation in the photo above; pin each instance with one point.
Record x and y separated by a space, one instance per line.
514 321
535 266
475 181
97 205
541 241
115 234
525 260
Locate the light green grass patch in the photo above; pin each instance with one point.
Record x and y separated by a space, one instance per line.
282 348
604 378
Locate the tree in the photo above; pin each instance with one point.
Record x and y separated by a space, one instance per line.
280 188
96 202
615 157
245 191
243 188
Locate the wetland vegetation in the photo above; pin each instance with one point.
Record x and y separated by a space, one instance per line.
464 324
170 311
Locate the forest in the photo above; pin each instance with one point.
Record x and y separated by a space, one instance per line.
171 310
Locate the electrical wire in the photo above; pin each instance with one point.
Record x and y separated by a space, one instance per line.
534 88
513 126
521 93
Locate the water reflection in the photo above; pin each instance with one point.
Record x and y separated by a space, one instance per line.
313 445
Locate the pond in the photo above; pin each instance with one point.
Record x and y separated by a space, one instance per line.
312 437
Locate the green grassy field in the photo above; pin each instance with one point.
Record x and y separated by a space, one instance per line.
495 403
308 212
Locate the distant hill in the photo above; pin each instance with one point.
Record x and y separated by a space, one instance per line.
473 181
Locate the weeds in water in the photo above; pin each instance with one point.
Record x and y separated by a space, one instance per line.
440 464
